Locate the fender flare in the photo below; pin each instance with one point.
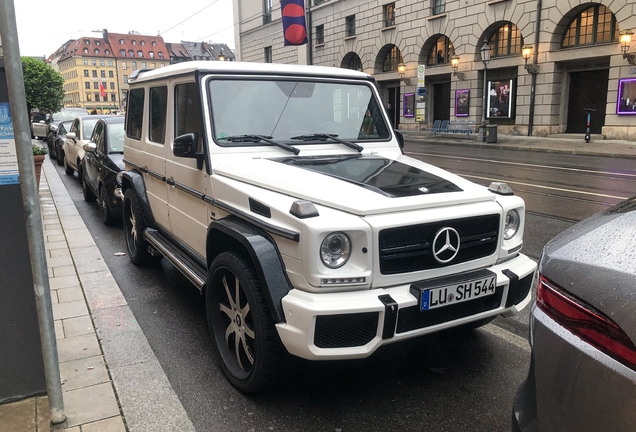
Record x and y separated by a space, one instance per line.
263 253
134 180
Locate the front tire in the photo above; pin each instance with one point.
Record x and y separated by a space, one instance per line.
60 156
134 227
244 337
67 168
89 196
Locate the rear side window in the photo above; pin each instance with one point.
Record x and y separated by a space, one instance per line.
135 113
158 108
188 112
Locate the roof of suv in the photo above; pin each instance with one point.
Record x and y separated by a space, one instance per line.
246 68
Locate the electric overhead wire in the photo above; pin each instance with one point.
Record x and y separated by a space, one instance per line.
194 14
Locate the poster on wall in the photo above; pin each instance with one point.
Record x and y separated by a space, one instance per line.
409 105
8 156
499 99
462 103
626 103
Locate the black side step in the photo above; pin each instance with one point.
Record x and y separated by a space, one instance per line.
186 265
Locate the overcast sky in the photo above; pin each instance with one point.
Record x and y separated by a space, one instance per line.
44 25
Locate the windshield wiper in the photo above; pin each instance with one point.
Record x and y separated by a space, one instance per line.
259 138
323 137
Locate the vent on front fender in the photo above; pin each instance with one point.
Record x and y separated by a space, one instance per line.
260 209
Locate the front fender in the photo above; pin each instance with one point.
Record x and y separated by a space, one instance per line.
232 232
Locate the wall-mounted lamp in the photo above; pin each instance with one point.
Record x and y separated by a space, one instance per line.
626 39
455 66
402 70
526 52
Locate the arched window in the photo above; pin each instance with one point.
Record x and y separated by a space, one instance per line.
392 59
596 24
160 53
140 53
351 61
131 53
151 54
441 51
85 50
121 41
123 53
506 41
96 51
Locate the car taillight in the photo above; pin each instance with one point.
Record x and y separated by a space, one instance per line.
585 322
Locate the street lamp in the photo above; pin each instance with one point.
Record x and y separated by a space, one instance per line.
455 66
626 39
526 52
401 70
485 58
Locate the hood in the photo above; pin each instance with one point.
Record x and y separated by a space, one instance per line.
595 260
359 184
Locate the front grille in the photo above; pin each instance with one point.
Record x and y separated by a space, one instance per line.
349 330
408 249
518 290
411 318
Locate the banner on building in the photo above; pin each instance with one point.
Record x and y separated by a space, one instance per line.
294 27
102 90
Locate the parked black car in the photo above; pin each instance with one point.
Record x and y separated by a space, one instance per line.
56 141
55 119
103 159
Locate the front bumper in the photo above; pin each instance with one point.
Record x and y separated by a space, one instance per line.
354 324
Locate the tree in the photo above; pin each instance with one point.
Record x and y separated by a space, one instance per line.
43 86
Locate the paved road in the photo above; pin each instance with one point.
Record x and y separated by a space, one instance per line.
437 383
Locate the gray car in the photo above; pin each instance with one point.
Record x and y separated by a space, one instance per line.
583 326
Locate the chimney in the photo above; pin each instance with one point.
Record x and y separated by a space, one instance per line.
105 32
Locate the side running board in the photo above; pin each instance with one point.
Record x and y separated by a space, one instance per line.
186 265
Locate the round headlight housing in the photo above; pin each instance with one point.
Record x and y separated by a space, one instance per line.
118 177
513 221
335 250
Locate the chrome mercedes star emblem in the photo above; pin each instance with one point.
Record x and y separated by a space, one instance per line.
446 245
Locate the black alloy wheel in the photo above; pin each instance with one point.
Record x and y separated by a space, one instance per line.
244 337
134 228
104 209
89 196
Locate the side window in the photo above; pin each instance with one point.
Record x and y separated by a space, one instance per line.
188 112
75 127
98 137
135 113
158 109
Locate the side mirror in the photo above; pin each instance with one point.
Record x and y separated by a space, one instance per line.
71 135
400 139
89 147
185 146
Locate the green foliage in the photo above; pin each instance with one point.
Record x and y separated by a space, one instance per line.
38 150
43 86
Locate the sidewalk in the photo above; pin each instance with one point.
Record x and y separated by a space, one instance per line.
561 143
111 379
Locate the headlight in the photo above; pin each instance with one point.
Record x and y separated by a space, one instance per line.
335 250
53 128
119 176
513 220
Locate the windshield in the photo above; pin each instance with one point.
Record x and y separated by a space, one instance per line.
68 115
116 137
284 109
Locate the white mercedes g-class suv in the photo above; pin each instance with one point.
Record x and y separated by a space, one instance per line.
282 193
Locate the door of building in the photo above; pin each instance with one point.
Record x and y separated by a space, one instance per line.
587 89
394 111
441 101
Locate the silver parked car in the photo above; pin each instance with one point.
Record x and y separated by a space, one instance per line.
583 326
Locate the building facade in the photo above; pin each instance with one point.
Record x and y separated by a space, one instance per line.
575 65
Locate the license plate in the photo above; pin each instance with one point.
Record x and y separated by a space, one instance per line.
467 290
